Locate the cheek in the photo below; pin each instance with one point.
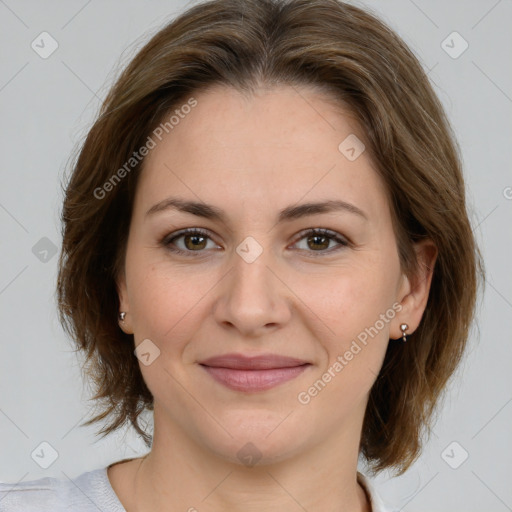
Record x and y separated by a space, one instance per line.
166 306
349 299
355 309
165 300
149 300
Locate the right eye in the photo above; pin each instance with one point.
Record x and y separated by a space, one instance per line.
192 240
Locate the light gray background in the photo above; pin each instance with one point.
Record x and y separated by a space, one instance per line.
47 106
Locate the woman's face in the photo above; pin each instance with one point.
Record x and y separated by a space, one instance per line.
254 282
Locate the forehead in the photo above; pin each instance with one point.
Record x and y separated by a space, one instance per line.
274 146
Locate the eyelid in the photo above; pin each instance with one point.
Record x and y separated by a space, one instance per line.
323 231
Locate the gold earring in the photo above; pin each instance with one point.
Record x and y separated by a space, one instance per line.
403 328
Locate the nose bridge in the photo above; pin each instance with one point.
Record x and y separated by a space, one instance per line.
253 297
251 262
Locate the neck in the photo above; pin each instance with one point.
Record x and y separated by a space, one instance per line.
178 474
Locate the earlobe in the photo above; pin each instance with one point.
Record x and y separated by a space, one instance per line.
124 318
124 323
415 290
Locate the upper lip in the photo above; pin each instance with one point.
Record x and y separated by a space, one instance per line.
260 362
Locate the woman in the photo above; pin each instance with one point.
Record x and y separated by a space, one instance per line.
271 211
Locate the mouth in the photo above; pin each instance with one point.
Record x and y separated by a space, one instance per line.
252 374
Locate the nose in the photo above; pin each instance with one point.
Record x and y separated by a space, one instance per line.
253 298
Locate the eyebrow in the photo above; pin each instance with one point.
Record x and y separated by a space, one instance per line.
289 213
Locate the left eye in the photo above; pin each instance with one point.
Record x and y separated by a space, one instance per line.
321 239
195 240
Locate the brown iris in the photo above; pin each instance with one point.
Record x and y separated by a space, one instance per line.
324 238
195 243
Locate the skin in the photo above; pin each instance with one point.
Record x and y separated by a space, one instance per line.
251 157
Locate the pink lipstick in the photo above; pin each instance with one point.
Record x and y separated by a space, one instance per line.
253 373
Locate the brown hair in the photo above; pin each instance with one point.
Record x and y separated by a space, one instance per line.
242 44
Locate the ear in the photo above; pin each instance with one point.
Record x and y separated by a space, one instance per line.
414 291
124 304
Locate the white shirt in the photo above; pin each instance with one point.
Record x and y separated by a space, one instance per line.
92 492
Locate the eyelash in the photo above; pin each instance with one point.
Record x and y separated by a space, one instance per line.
168 240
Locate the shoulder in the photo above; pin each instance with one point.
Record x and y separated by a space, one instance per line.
375 500
35 495
87 492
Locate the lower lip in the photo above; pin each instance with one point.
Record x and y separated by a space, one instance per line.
254 380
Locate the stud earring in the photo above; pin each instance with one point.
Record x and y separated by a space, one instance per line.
122 316
403 328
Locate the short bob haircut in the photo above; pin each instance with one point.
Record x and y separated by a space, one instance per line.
364 67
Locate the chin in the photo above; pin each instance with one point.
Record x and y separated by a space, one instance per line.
259 438
257 452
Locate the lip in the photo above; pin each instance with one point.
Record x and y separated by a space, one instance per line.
253 373
259 362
